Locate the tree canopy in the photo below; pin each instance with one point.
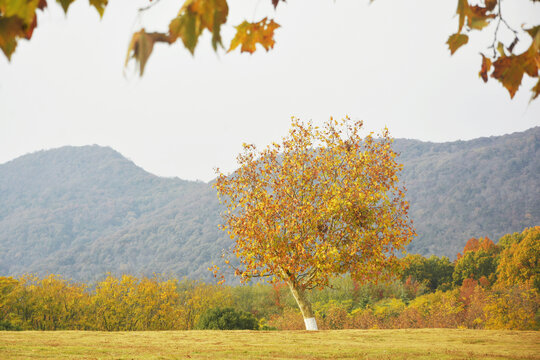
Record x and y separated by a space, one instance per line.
18 19
520 260
324 202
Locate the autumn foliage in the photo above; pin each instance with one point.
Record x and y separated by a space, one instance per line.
505 66
474 244
18 20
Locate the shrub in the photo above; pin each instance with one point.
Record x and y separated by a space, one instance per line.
6 325
227 319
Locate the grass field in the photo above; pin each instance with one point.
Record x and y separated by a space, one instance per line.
337 344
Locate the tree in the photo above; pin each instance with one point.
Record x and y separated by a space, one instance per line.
475 265
520 260
474 244
479 259
18 20
434 272
325 202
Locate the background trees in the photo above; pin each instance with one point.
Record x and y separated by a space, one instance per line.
479 260
323 203
520 258
157 303
434 272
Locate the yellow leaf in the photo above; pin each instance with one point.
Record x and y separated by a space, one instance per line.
455 41
194 17
248 35
100 5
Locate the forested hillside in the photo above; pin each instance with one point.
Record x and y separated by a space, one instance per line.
85 211
463 189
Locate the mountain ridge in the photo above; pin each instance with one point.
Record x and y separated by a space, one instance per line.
85 211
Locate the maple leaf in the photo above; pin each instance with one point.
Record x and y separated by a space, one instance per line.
530 62
100 5
185 27
509 71
490 4
65 4
461 11
249 34
10 29
194 17
455 41
535 34
486 66
23 9
141 46
478 17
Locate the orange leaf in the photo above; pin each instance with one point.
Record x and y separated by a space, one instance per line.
490 4
509 72
478 17
249 34
486 66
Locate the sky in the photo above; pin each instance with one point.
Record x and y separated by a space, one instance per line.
385 63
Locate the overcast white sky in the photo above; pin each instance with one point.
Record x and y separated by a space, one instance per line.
385 63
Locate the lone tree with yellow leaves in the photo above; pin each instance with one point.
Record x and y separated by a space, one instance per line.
325 202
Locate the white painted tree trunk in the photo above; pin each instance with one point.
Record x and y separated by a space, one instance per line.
311 324
305 307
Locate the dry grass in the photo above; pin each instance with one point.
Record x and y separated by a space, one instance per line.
336 344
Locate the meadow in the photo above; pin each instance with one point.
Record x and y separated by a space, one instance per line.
329 344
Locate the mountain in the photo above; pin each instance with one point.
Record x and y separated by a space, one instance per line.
85 211
463 189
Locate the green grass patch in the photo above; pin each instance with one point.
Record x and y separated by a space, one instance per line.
332 344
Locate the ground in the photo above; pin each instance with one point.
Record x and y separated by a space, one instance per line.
333 344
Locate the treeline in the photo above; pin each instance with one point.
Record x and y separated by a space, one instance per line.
489 286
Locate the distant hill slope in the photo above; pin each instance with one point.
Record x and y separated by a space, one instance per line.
463 189
85 211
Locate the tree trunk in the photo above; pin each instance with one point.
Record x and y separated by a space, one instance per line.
304 305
